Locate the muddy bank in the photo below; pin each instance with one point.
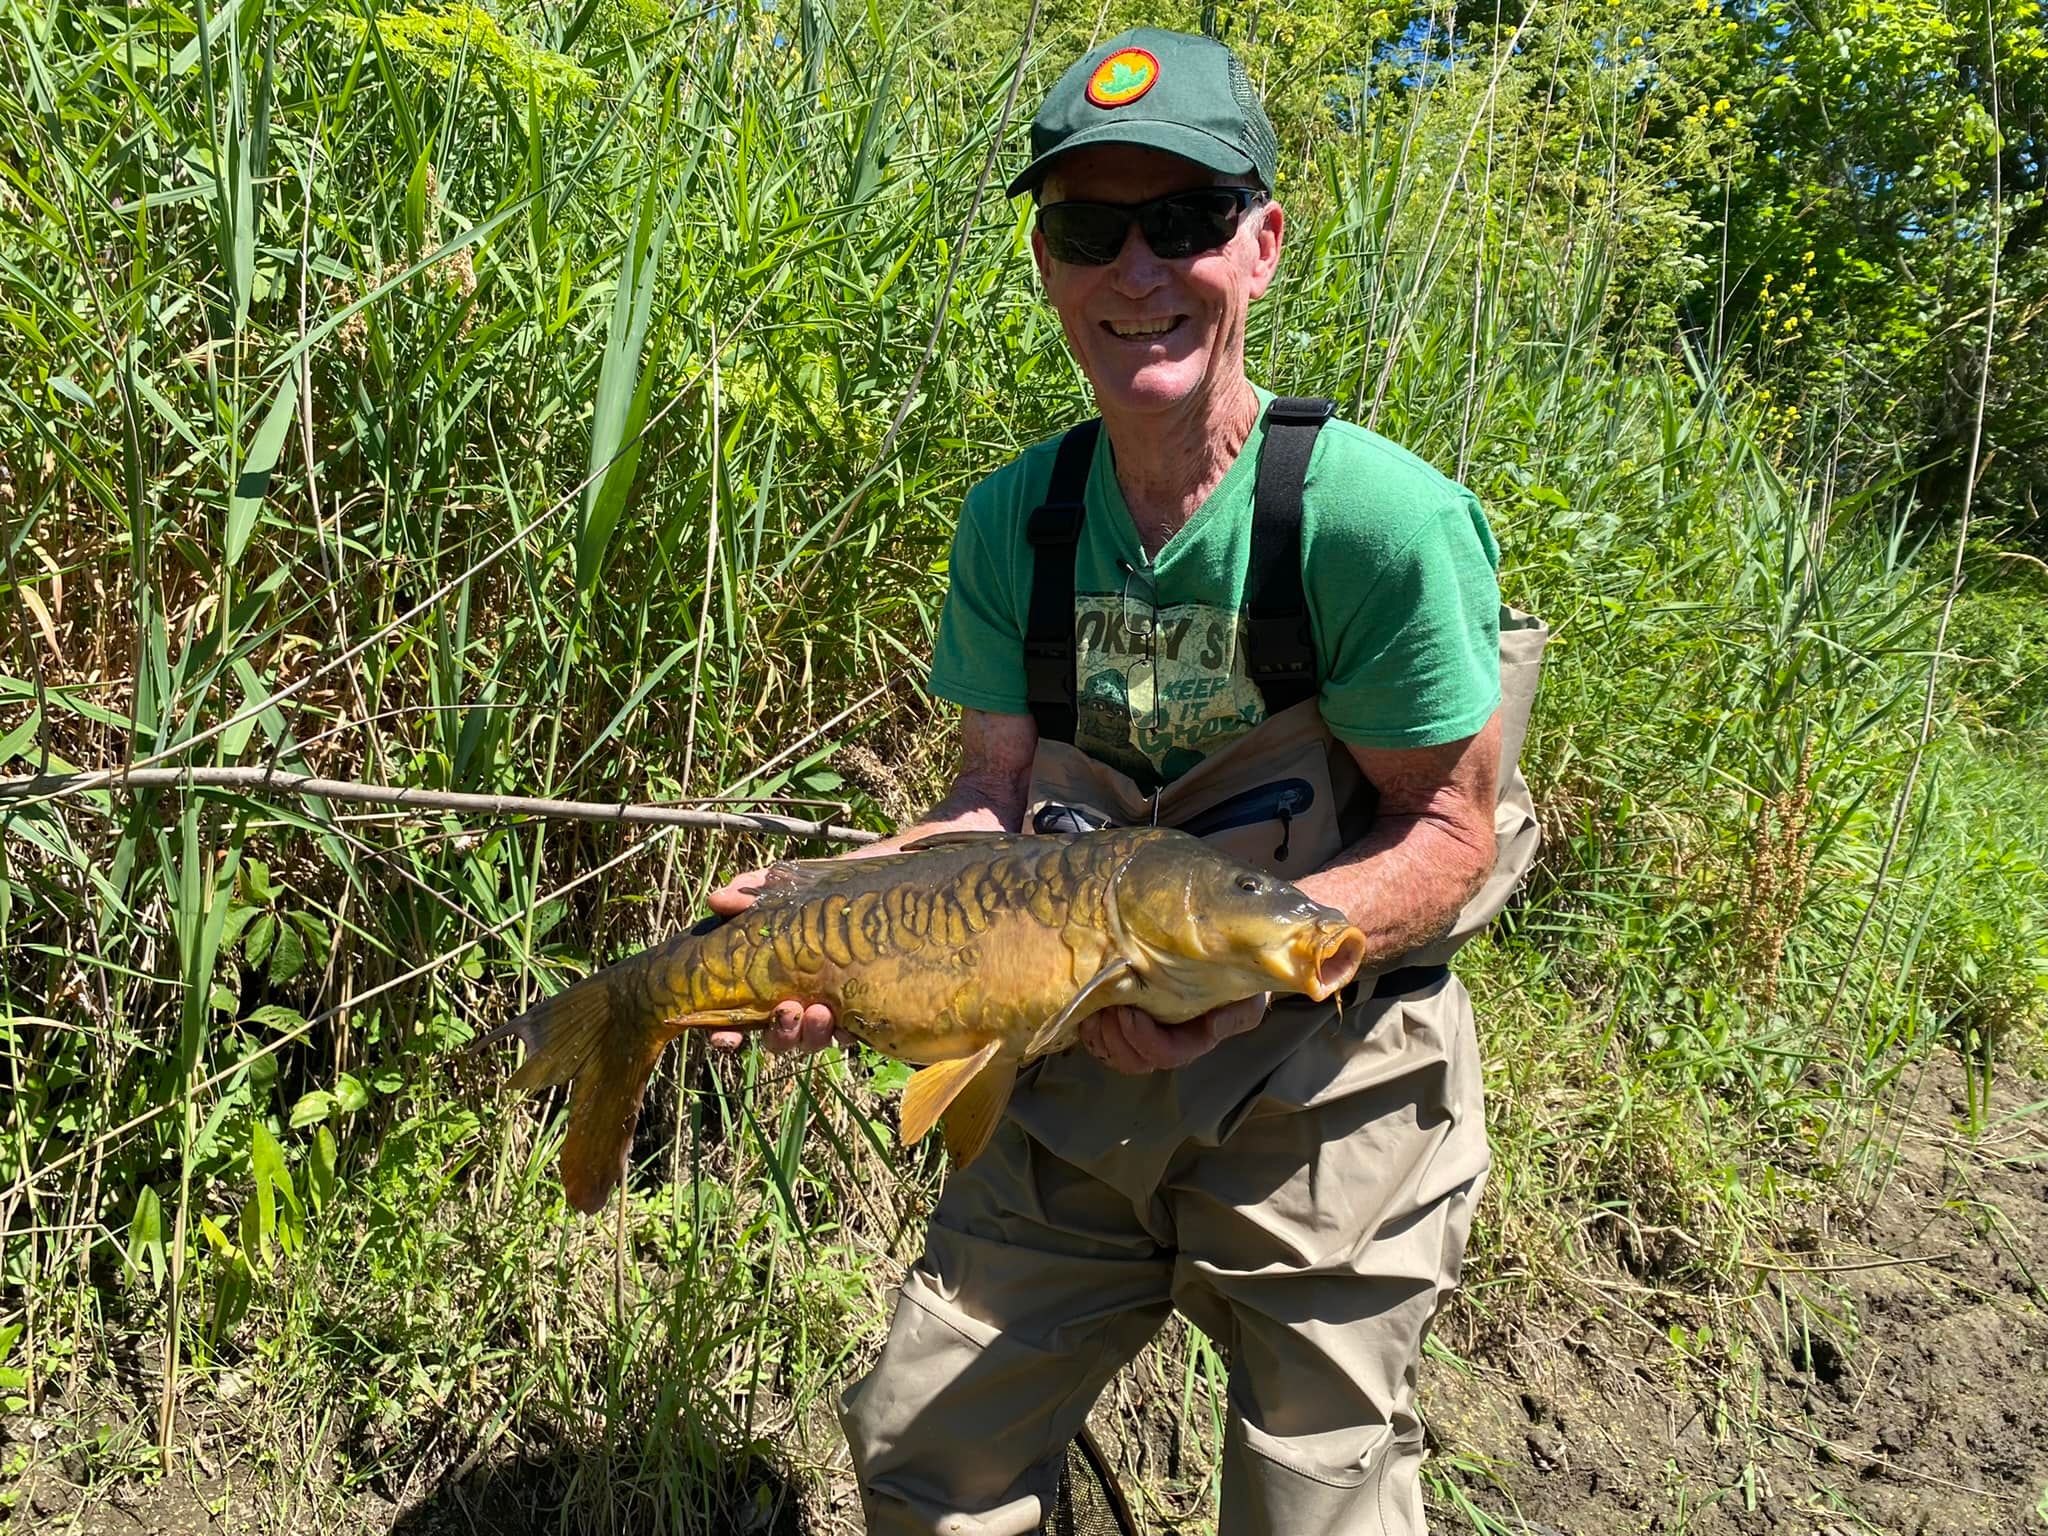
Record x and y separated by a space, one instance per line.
1887 1374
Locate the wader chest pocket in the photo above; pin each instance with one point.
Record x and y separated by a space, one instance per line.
1280 801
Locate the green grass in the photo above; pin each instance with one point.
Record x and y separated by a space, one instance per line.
520 395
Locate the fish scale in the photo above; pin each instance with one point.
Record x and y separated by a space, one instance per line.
964 954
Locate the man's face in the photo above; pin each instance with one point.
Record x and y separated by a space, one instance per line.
1153 335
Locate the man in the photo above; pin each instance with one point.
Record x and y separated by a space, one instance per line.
1297 1179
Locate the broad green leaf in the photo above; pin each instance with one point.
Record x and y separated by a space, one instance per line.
288 954
266 1162
253 484
320 1177
146 1236
256 943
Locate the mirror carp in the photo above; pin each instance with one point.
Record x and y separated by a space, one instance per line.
965 954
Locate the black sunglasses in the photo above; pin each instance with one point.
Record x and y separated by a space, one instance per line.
1176 225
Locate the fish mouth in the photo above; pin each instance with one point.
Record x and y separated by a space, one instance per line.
1330 957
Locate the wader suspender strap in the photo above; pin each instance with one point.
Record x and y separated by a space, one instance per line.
1280 652
1053 533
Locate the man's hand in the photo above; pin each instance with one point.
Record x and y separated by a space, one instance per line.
1131 1040
792 1027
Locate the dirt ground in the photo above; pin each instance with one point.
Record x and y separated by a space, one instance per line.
1883 1378
1887 1377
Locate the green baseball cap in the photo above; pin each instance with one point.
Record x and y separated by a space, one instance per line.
1174 91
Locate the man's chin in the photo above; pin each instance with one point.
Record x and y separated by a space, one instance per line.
1148 389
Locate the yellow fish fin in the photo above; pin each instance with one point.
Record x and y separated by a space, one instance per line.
933 1088
975 1110
1078 1007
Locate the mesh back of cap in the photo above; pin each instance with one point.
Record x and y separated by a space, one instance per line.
1257 128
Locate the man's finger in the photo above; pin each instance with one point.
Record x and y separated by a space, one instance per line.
727 1039
1100 1038
1162 1047
1123 1036
815 1028
731 900
1166 1046
1184 1042
785 1027
1091 1035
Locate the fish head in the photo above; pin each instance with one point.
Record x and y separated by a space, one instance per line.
1183 901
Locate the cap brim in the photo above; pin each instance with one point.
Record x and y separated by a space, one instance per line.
1205 149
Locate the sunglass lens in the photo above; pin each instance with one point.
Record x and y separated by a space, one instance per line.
1188 223
1083 234
1180 225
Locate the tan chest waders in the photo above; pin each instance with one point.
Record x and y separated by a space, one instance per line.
1302 1192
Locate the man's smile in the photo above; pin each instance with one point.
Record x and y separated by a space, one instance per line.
1143 330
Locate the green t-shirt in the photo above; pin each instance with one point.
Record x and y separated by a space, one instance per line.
1399 569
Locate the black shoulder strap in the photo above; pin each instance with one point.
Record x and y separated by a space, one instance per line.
1053 533
1280 649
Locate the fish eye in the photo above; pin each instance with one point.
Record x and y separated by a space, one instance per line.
1248 883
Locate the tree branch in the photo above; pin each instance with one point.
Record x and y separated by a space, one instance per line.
278 782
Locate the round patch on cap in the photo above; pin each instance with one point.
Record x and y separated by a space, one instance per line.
1123 77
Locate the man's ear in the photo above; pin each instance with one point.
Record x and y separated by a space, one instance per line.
1038 254
1269 226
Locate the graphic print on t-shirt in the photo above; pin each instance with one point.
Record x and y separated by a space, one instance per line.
1155 722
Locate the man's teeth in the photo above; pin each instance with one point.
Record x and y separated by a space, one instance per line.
1134 328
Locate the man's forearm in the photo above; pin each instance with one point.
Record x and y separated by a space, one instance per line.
1403 883
971 805
991 788
1428 852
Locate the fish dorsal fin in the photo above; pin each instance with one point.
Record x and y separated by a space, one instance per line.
976 1109
1078 1006
957 839
933 1088
796 878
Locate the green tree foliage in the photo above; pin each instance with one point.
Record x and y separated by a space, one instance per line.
1861 227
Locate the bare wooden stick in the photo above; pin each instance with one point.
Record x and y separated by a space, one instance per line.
280 782
1844 1269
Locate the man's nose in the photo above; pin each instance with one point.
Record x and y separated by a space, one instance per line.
1136 271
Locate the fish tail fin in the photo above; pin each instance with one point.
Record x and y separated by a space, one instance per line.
606 1053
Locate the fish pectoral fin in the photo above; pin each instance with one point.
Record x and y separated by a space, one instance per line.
976 1109
1078 1006
933 1088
